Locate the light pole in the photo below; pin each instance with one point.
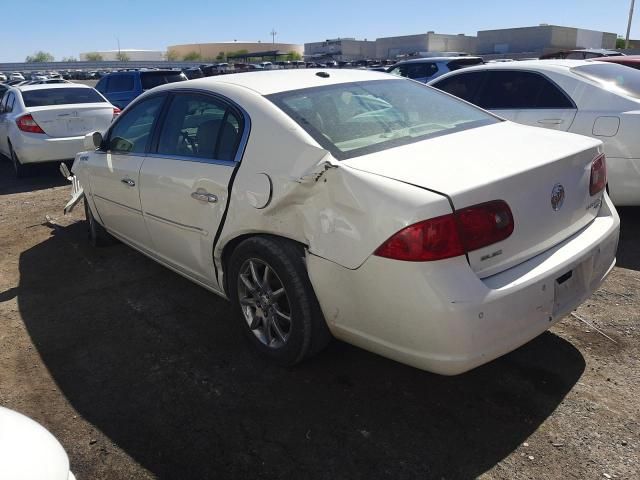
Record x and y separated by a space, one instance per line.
273 34
626 42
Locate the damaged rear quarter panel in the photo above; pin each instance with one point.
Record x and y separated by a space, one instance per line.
340 213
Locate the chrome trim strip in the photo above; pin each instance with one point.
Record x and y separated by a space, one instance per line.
117 203
228 163
177 224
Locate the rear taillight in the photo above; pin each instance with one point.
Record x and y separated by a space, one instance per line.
451 235
598 175
116 112
26 123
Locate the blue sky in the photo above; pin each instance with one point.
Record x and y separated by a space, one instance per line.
68 27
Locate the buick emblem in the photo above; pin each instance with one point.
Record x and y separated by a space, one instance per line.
557 197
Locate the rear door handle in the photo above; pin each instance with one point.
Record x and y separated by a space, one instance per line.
551 121
204 196
129 182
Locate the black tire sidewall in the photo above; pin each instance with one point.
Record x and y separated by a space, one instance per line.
289 267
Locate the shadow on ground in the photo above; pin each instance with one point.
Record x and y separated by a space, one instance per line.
629 248
159 366
42 176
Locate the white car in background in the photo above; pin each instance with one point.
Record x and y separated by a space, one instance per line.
28 451
598 99
44 123
352 202
16 76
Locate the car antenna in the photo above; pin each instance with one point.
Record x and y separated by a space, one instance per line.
323 74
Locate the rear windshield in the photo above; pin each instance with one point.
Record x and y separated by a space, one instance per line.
153 79
353 119
613 77
60 96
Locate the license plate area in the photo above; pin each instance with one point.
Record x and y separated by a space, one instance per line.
571 286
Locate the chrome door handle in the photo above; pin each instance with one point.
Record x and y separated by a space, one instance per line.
204 196
129 182
551 121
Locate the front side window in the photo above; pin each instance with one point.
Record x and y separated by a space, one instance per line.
60 96
615 78
120 83
520 90
132 130
352 119
200 127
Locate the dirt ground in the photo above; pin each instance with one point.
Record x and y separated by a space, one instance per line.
141 374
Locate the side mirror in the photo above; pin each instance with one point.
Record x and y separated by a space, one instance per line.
92 141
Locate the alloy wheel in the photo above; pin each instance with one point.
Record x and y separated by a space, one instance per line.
264 303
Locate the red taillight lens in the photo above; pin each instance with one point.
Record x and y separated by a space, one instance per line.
484 224
432 239
598 175
26 123
451 235
116 112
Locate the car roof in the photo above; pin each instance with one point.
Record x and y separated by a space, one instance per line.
268 82
49 86
620 59
551 64
436 59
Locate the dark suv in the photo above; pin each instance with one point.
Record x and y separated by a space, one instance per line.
121 88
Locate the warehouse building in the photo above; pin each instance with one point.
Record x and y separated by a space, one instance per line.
213 51
423 43
340 49
542 39
130 54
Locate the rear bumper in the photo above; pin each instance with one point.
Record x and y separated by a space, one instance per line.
38 147
624 180
441 317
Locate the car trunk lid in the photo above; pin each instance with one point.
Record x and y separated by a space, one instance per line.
520 165
73 120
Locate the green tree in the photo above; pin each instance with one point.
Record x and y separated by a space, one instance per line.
172 55
293 56
620 42
221 57
93 57
69 59
192 57
122 57
40 57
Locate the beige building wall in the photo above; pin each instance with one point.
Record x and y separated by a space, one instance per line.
391 47
209 51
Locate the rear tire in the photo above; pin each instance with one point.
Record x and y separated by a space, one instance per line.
22 171
278 309
98 236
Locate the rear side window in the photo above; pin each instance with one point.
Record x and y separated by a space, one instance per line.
200 127
421 70
102 85
463 62
120 83
11 100
464 86
519 90
60 96
153 79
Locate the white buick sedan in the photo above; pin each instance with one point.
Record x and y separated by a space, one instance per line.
601 100
352 203
44 123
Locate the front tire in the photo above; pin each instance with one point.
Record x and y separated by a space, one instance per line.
98 236
274 300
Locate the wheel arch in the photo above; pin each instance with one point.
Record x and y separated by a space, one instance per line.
230 246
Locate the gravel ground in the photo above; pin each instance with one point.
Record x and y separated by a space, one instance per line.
142 374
